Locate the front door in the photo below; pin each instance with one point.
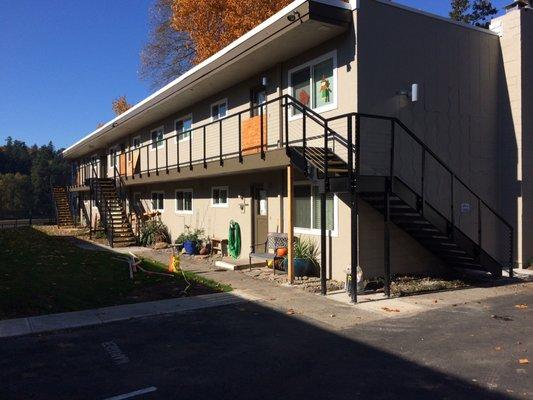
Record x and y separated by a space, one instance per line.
259 214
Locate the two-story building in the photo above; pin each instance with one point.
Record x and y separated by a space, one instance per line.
394 138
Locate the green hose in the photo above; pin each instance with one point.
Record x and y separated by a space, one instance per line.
234 239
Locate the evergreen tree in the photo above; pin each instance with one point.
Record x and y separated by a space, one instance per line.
475 12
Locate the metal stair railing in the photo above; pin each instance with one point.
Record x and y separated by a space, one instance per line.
426 154
103 206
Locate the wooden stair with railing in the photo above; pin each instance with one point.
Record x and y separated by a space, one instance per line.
60 196
112 213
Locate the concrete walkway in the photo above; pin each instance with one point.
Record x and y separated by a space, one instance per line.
98 316
335 311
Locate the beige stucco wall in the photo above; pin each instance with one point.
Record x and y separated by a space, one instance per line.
407 254
516 126
456 116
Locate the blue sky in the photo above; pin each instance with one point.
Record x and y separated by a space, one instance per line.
64 61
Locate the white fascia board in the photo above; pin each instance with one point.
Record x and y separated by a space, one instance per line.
167 89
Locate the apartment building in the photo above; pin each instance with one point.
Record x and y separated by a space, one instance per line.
396 139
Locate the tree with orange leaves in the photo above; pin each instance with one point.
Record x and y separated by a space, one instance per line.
186 32
120 105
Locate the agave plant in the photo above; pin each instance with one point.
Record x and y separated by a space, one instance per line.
307 249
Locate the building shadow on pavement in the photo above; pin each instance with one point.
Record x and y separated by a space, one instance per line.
243 351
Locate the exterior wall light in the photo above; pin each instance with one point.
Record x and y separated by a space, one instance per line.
411 94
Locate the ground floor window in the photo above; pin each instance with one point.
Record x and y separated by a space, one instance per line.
219 196
307 209
184 201
158 199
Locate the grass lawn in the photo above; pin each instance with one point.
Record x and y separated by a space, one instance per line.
42 274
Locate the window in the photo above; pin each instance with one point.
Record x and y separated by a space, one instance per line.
157 138
183 128
137 203
184 201
158 199
219 109
315 83
219 196
307 209
136 142
257 98
113 155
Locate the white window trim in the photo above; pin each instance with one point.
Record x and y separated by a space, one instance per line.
133 142
191 211
116 148
223 101
327 107
219 205
188 116
161 128
316 232
152 200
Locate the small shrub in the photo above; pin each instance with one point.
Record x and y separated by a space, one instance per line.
154 231
193 235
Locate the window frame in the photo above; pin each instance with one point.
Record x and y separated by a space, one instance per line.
137 137
220 205
162 129
117 149
186 190
216 103
317 232
134 202
310 64
185 117
152 200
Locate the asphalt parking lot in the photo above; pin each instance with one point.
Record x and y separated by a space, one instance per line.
248 351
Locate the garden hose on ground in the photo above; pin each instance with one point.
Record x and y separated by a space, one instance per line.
234 239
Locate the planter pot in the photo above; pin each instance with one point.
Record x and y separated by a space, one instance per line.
302 267
190 247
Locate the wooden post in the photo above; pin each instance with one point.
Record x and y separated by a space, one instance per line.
290 230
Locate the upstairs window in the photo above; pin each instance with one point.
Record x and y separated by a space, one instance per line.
315 84
219 110
157 138
136 142
183 128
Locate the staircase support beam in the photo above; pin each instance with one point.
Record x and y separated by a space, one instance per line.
386 238
290 230
323 283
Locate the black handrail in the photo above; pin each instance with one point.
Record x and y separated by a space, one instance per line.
101 203
453 178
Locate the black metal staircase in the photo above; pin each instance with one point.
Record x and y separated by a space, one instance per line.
432 225
112 212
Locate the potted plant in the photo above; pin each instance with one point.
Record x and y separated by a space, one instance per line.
191 239
305 258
